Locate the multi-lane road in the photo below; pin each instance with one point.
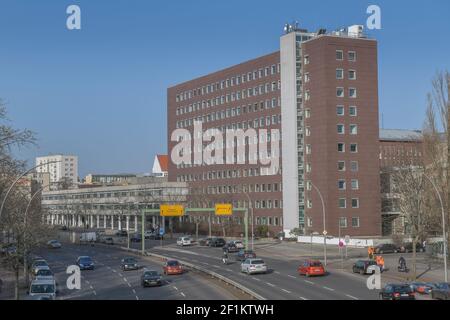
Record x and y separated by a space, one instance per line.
108 281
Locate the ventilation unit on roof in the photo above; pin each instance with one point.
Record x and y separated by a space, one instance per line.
356 31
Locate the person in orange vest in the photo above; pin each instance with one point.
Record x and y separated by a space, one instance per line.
370 252
380 262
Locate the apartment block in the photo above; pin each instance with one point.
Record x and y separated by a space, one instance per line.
60 167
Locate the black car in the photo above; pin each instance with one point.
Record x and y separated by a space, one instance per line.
364 267
408 247
231 247
122 233
109 240
129 264
217 242
135 238
85 263
441 291
397 292
245 254
386 248
151 278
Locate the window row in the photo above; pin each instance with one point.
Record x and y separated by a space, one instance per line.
353 147
256 123
342 222
342 185
351 74
352 93
351 55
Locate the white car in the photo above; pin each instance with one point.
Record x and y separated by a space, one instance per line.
184 241
43 273
43 289
238 244
252 266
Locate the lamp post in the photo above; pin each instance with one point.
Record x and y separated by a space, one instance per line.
324 225
250 204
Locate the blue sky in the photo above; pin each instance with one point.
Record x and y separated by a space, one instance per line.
100 92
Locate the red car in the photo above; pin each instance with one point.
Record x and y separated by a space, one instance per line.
311 268
172 267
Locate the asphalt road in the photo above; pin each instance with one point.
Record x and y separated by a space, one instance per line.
109 282
282 281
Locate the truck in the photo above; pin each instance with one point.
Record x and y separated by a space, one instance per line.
88 237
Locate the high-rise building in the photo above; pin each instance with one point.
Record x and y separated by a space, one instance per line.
60 167
321 91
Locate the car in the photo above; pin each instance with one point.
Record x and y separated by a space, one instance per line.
172 267
311 268
184 241
238 244
148 234
37 264
136 238
421 287
108 240
151 278
54 244
216 242
408 247
231 247
42 289
122 233
441 291
252 266
156 236
386 248
365 267
85 263
397 292
245 254
129 263
43 273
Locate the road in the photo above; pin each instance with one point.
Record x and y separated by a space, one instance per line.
282 282
109 282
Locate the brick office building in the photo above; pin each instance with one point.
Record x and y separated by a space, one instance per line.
324 88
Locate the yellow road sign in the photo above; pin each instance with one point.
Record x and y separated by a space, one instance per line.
224 209
171 210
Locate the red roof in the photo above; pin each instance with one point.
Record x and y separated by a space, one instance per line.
163 160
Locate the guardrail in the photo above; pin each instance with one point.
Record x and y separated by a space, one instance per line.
206 271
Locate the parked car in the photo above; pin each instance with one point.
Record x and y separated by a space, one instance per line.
129 263
245 254
135 238
386 248
238 244
252 266
184 241
42 290
54 244
311 268
148 234
408 247
172 267
85 263
421 287
151 278
217 242
441 291
365 267
230 246
43 273
397 292
108 240
122 233
37 264
204 241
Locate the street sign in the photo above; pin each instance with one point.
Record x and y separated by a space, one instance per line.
171 210
224 209
325 232
341 244
347 239
161 231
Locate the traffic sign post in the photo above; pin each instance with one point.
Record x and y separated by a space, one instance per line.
224 209
171 210
347 241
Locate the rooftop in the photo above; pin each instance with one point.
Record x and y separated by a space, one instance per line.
400 135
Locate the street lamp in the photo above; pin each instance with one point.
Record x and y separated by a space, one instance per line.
253 220
324 225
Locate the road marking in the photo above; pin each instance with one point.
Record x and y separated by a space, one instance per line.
286 291
175 288
134 291
291 276
215 266
120 275
129 284
229 270
352 297
114 271
95 293
270 284
303 298
87 281
183 294
92 288
330 289
307 281
256 279
137 298
277 272
205 263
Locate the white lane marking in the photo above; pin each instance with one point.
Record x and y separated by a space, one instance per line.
270 284
352 297
137 298
286 291
302 298
87 281
206 263
307 281
95 293
175 288
129 284
92 288
229 270
256 279
183 294
277 272
120 275
329 289
291 276
114 271
215 266
134 291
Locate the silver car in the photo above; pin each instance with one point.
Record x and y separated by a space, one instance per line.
252 266
43 289
43 273
37 264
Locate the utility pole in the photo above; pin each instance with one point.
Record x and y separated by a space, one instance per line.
448 167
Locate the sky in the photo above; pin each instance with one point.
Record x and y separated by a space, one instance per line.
100 92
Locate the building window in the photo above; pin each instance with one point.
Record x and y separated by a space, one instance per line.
353 129
354 165
351 56
341 147
355 203
352 75
310 222
307 113
353 111
307 96
340 92
341 184
340 110
354 148
355 222
309 203
352 92
307 131
339 74
343 222
307 77
306 59
308 149
339 55
340 129
308 167
355 184
342 203
341 165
